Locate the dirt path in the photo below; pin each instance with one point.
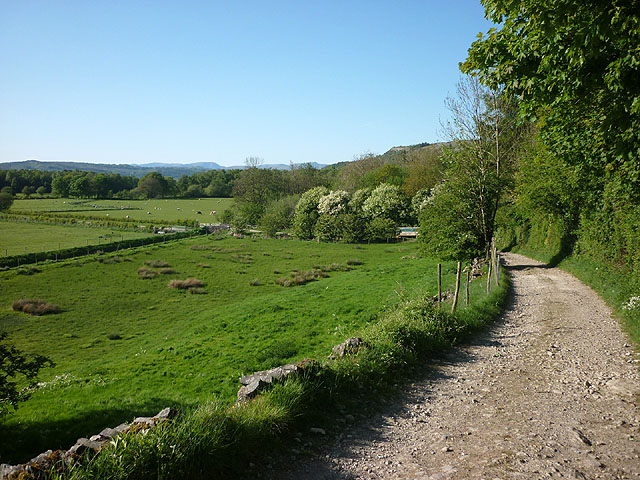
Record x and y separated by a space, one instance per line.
552 391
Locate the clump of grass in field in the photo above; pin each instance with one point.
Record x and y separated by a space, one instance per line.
186 284
354 261
284 281
34 307
201 247
203 265
110 260
167 271
277 272
255 282
28 270
242 258
146 273
114 336
156 263
197 291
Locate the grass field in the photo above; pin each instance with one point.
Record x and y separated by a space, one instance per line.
125 346
18 238
143 210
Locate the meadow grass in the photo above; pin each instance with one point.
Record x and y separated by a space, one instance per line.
18 238
144 210
126 346
216 441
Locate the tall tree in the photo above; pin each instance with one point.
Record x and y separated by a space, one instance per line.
576 65
479 166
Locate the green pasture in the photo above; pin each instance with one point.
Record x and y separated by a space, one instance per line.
18 238
125 346
143 210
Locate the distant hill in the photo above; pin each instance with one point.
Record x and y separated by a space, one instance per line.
175 170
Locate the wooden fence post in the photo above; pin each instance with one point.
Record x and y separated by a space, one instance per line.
439 284
467 287
489 277
457 292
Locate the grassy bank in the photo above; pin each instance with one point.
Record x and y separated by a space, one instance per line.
125 344
215 441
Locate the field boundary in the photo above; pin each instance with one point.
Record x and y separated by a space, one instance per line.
66 253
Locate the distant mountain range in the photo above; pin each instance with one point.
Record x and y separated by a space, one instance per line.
175 170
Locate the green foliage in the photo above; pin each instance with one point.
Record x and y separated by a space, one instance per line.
18 373
6 200
307 212
446 229
458 221
574 64
381 229
386 201
279 215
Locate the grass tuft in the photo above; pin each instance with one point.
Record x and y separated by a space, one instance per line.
186 284
34 307
28 270
146 273
156 263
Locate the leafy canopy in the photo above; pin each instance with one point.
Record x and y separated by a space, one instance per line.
576 66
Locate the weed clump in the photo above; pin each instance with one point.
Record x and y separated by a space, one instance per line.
186 284
146 273
167 271
156 263
28 270
35 307
110 260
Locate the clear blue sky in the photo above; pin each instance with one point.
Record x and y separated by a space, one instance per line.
126 81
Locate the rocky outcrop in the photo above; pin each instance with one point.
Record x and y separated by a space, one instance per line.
42 465
349 347
259 381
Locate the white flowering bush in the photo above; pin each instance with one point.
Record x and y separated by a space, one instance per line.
385 201
308 202
420 201
334 203
358 198
632 304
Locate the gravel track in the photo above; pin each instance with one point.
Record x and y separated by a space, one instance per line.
552 390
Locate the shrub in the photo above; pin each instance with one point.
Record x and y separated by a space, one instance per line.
156 263
186 284
34 307
146 273
28 271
